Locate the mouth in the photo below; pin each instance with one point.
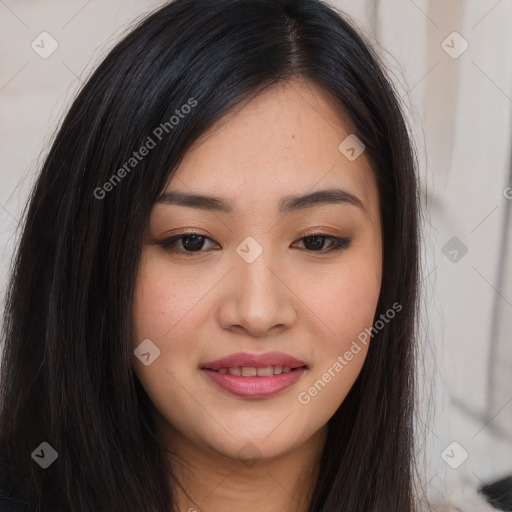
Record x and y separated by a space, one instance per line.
254 371
254 376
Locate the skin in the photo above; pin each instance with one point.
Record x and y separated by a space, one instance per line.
310 304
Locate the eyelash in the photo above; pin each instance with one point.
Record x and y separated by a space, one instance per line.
337 243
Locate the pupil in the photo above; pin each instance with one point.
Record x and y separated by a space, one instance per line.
317 241
195 239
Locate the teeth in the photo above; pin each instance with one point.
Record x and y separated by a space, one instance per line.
252 371
268 371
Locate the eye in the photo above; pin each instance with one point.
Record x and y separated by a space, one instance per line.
315 242
193 243
190 243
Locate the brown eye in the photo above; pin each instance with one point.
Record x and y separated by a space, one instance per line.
316 242
191 243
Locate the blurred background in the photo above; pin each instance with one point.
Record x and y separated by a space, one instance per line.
451 62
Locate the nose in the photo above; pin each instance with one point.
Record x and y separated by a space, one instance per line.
258 298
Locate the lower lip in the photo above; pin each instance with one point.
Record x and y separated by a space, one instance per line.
255 387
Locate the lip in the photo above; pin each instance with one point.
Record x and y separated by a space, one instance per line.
255 387
256 360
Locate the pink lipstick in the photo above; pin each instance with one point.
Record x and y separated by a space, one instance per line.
254 375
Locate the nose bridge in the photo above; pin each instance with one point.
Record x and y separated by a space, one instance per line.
253 272
259 299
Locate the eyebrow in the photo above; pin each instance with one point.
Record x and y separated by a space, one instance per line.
286 204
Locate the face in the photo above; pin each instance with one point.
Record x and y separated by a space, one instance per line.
261 281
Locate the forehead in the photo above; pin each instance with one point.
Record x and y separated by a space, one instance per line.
283 141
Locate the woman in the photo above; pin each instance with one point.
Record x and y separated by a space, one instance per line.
275 368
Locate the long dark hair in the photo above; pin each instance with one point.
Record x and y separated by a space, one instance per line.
66 375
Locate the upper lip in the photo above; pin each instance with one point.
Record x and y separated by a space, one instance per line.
254 360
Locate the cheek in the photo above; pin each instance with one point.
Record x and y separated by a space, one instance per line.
163 309
162 299
345 301
344 309
159 311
